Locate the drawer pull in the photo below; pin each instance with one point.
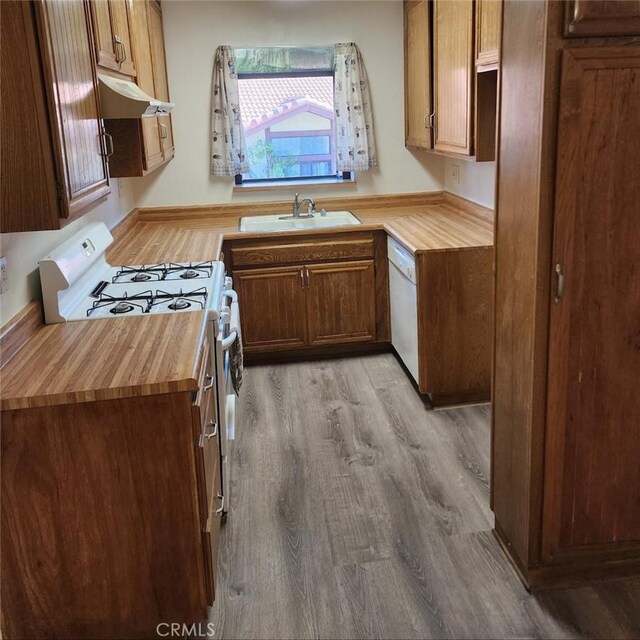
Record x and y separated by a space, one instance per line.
209 386
210 431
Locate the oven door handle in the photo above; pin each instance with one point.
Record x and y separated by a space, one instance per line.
231 294
234 323
229 340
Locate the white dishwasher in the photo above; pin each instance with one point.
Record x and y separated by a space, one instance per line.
403 301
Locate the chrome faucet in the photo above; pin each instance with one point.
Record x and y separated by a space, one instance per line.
297 205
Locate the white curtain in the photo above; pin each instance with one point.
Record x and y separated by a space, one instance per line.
355 140
228 145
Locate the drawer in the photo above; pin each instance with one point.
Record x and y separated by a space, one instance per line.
205 399
262 254
210 541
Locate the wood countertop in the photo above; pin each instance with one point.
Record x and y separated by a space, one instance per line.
122 357
421 222
105 359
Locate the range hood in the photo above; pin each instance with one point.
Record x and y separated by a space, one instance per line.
121 99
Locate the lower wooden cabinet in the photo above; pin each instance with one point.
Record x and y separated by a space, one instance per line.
307 305
112 527
325 290
274 313
341 306
455 295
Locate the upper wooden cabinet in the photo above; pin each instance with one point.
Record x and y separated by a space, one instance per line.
602 18
417 74
488 26
142 145
156 39
54 150
453 75
110 19
449 107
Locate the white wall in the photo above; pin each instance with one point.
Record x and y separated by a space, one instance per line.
23 250
193 30
476 180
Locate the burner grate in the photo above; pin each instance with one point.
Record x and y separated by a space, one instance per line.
147 300
121 305
161 271
181 300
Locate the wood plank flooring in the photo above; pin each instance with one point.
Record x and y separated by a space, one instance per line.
358 512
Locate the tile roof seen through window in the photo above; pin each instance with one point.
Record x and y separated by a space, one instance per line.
263 98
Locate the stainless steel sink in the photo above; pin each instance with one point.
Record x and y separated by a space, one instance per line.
277 223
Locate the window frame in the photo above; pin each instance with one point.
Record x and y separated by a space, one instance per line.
346 176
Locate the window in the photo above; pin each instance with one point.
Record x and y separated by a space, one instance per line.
286 102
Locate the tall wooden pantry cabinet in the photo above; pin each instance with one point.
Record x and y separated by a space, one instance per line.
566 427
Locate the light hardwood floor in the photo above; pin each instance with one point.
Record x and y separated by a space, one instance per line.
360 513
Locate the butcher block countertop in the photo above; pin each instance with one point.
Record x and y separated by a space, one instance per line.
123 357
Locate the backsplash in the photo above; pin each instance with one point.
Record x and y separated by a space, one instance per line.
24 250
476 180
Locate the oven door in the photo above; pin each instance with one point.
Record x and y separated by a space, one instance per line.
228 334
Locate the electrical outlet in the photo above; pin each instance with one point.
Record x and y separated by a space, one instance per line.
4 280
455 173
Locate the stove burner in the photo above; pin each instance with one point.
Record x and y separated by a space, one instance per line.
188 274
179 304
141 277
121 307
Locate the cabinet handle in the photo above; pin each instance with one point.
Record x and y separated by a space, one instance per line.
120 47
307 271
118 43
302 278
108 147
219 511
559 283
432 120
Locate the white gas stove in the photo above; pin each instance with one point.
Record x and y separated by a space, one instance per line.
78 283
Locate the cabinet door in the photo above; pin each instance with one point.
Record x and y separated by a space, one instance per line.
602 18
111 35
141 43
453 75
417 74
156 37
70 75
273 308
488 26
341 303
29 201
592 469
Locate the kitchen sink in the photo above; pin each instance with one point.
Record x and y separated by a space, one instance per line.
276 223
